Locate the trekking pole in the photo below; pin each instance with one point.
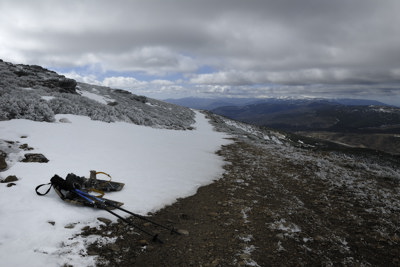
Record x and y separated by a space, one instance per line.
103 206
145 219
109 203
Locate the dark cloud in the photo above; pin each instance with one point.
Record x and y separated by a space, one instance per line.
247 43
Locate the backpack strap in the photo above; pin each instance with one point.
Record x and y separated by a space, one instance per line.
60 183
45 193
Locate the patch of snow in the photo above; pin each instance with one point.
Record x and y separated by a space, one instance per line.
245 255
150 104
244 212
276 140
246 238
280 247
47 98
96 97
285 226
272 136
157 166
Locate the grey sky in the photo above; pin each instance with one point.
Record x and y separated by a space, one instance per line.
178 48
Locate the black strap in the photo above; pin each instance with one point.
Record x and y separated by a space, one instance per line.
39 186
57 182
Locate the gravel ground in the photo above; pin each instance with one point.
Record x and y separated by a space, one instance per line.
275 205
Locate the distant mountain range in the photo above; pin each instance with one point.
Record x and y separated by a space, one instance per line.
213 103
308 114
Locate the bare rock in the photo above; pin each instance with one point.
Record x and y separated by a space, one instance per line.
91 252
70 226
183 232
86 228
10 178
114 247
3 163
104 220
64 120
35 157
25 147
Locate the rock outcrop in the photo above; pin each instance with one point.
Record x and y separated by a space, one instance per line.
35 157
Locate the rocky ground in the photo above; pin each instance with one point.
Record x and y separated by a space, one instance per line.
275 205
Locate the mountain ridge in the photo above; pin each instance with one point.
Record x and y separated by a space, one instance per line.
317 116
33 92
212 103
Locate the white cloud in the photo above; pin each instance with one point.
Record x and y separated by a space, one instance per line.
91 79
162 82
123 82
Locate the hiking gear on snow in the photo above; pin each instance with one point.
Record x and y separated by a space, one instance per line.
75 189
105 205
103 185
45 193
58 182
65 190
92 184
108 203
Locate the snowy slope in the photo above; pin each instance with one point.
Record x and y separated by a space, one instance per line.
157 166
34 93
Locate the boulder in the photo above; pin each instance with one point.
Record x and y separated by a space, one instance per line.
25 147
10 178
104 220
64 120
3 163
70 226
34 157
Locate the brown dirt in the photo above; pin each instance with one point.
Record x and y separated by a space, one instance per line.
274 206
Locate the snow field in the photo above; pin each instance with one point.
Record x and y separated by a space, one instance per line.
157 166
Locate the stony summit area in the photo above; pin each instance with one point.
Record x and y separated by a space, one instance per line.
280 202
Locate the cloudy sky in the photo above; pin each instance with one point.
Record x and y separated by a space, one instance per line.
178 48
